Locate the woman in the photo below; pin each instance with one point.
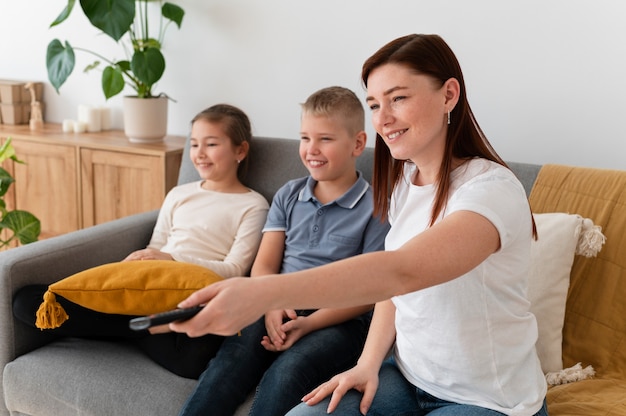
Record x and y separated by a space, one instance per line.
451 285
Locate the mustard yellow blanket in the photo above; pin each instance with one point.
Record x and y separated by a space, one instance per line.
594 332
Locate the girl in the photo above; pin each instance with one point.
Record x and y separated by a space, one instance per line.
215 222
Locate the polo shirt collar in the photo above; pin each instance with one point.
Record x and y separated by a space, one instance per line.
347 200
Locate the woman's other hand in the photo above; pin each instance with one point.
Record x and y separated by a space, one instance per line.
361 378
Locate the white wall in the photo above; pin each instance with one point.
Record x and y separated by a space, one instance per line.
546 78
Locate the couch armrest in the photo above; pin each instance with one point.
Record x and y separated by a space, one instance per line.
48 261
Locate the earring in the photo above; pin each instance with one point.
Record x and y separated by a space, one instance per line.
448 117
239 161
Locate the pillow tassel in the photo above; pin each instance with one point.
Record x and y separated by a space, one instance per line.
50 314
569 375
590 240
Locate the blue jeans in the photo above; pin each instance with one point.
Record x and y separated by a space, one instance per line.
283 378
397 397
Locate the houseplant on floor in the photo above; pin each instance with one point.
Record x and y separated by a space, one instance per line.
15 225
127 22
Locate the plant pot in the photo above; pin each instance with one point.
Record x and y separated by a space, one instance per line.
145 119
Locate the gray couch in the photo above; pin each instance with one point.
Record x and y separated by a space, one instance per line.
47 376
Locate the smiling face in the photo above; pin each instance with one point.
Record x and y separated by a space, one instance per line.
213 154
409 111
327 148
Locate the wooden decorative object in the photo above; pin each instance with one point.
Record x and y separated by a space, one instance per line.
36 118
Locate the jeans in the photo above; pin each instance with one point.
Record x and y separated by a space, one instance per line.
397 397
282 378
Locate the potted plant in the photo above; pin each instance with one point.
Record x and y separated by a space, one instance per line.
127 22
15 224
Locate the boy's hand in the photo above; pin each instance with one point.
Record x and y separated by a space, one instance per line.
273 324
293 329
148 254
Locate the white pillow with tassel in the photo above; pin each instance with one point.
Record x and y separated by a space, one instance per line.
561 237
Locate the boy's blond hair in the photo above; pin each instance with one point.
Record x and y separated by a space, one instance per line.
339 103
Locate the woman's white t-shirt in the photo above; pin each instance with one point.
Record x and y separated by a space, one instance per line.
471 340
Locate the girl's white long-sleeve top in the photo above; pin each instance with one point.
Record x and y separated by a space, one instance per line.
220 231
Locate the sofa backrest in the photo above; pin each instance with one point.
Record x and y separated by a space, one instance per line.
273 161
594 331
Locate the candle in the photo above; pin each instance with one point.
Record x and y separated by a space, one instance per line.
82 112
105 118
80 126
68 126
94 121
90 116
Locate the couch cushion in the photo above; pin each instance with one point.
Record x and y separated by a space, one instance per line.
88 377
72 370
602 396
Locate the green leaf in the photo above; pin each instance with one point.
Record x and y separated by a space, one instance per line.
60 62
91 66
112 81
113 17
148 65
173 12
5 181
8 152
24 225
123 65
64 14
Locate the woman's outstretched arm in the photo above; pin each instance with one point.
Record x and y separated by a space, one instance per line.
449 249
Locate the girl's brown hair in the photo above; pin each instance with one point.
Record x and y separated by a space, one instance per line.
235 123
428 55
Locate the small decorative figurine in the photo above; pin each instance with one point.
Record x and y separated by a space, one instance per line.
36 118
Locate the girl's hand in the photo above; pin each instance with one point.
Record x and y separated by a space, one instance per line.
273 324
148 254
360 378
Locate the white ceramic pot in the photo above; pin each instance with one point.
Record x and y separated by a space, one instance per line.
145 119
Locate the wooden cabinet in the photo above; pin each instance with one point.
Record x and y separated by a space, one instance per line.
46 185
72 181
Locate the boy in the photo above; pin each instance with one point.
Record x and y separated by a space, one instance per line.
314 220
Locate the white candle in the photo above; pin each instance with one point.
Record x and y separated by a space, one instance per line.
105 118
92 117
80 126
68 126
94 122
83 111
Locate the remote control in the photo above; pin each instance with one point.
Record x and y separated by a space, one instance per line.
145 322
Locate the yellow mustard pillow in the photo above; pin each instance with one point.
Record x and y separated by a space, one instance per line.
125 288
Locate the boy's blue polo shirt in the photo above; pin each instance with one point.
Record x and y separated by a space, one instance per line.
317 234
